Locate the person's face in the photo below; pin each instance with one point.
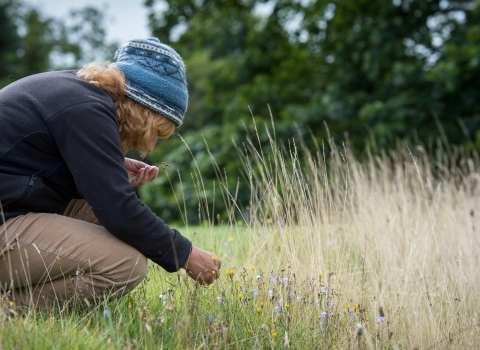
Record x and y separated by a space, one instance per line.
152 143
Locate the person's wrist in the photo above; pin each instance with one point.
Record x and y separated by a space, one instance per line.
185 266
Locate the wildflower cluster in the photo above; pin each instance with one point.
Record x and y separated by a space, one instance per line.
264 306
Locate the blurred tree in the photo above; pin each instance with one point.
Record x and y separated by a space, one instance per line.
38 42
454 79
33 43
373 59
84 35
9 42
372 69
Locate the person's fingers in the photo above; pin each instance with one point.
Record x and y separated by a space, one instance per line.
141 176
207 277
133 178
202 267
138 164
152 173
203 278
217 271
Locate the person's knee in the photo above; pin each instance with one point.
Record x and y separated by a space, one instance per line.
139 272
141 268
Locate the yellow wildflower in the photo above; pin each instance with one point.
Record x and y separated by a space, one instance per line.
11 304
261 304
250 331
287 305
240 296
252 267
229 272
269 220
273 333
259 309
355 306
320 275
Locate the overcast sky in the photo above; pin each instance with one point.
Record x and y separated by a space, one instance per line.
126 19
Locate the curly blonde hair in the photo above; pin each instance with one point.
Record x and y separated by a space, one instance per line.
138 124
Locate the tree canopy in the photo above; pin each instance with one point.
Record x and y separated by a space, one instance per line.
32 42
366 67
373 71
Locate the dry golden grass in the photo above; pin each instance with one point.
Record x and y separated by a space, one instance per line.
396 232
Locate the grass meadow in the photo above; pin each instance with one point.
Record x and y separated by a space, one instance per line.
336 253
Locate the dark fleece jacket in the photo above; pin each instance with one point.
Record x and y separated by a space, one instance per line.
59 140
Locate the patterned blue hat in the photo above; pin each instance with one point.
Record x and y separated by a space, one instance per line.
154 76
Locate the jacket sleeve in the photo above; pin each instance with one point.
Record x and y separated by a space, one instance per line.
87 136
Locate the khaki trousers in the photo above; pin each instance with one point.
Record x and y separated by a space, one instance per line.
49 259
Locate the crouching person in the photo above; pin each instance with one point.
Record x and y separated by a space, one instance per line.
72 227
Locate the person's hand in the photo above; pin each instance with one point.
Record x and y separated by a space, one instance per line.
202 267
139 173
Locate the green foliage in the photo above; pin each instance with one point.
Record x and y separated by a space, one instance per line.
32 42
9 42
376 71
454 80
193 188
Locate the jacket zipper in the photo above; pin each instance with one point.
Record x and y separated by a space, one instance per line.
27 190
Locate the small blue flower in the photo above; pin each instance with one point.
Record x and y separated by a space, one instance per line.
161 296
324 289
272 278
317 302
276 309
323 314
291 295
258 278
381 319
106 314
255 292
210 318
225 244
299 299
321 324
270 293
280 302
219 299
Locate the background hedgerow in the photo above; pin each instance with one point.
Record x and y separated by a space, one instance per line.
332 252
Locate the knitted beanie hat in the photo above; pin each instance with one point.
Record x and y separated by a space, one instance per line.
154 76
